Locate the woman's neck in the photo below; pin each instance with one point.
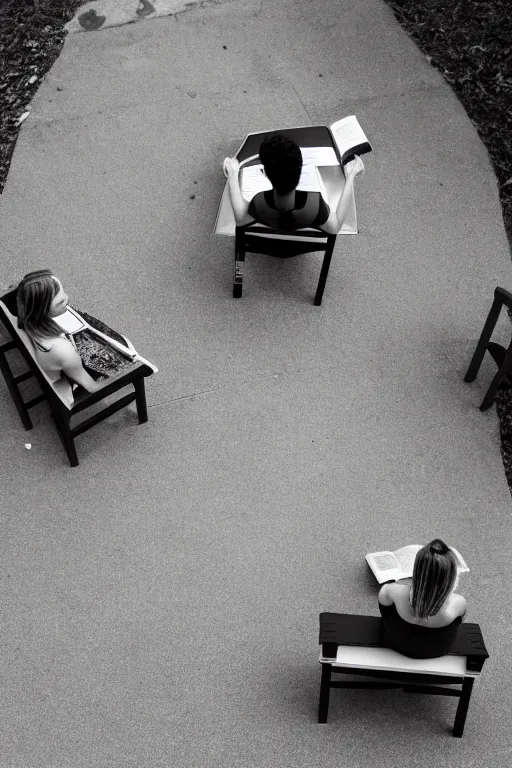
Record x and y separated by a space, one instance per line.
284 202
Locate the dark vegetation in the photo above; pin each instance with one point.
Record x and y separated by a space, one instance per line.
468 41
31 37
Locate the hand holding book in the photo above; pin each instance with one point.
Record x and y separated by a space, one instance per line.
354 167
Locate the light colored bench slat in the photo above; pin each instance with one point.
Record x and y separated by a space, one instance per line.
386 659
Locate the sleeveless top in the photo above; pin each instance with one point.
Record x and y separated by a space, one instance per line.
310 210
413 640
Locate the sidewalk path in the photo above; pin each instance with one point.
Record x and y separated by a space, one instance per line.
162 599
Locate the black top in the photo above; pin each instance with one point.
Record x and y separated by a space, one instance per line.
413 640
310 210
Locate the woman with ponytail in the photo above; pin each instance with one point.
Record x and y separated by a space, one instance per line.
421 620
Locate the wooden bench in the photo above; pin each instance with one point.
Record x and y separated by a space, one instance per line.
352 644
65 402
501 356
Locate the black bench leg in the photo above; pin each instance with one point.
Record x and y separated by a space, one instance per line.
462 709
498 353
14 391
325 691
140 400
68 442
485 336
323 275
238 277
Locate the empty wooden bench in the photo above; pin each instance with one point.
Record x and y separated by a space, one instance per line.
352 644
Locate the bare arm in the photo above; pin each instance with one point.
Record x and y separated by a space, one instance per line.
335 220
460 606
240 206
69 360
384 596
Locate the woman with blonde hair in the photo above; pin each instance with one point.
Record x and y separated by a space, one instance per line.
40 299
421 620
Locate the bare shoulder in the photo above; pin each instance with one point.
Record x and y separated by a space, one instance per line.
62 351
458 605
390 593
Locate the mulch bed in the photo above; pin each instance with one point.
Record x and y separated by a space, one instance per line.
468 41
31 37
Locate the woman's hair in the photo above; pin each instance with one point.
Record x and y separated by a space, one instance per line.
282 161
36 292
433 578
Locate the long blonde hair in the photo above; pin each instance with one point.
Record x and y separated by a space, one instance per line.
34 297
433 578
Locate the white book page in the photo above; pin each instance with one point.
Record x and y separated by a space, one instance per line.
386 561
384 565
348 133
322 156
406 557
253 180
69 322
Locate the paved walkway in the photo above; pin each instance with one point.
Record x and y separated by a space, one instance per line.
162 599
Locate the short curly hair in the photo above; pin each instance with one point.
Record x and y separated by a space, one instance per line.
282 161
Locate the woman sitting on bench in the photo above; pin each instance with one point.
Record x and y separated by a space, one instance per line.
40 298
421 620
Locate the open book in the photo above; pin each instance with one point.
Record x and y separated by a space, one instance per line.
72 322
254 180
350 137
392 566
69 322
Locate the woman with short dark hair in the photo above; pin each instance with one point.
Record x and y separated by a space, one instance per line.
284 207
421 620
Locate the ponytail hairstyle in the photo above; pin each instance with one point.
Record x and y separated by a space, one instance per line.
433 578
34 297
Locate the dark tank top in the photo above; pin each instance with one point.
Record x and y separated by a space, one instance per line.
310 210
413 640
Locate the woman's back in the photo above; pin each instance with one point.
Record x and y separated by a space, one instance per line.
415 637
51 354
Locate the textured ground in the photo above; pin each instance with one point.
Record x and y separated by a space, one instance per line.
162 599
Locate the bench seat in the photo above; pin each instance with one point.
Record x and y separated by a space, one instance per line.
353 645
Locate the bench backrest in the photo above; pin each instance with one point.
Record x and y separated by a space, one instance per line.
351 629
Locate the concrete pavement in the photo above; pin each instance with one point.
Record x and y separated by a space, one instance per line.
162 599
